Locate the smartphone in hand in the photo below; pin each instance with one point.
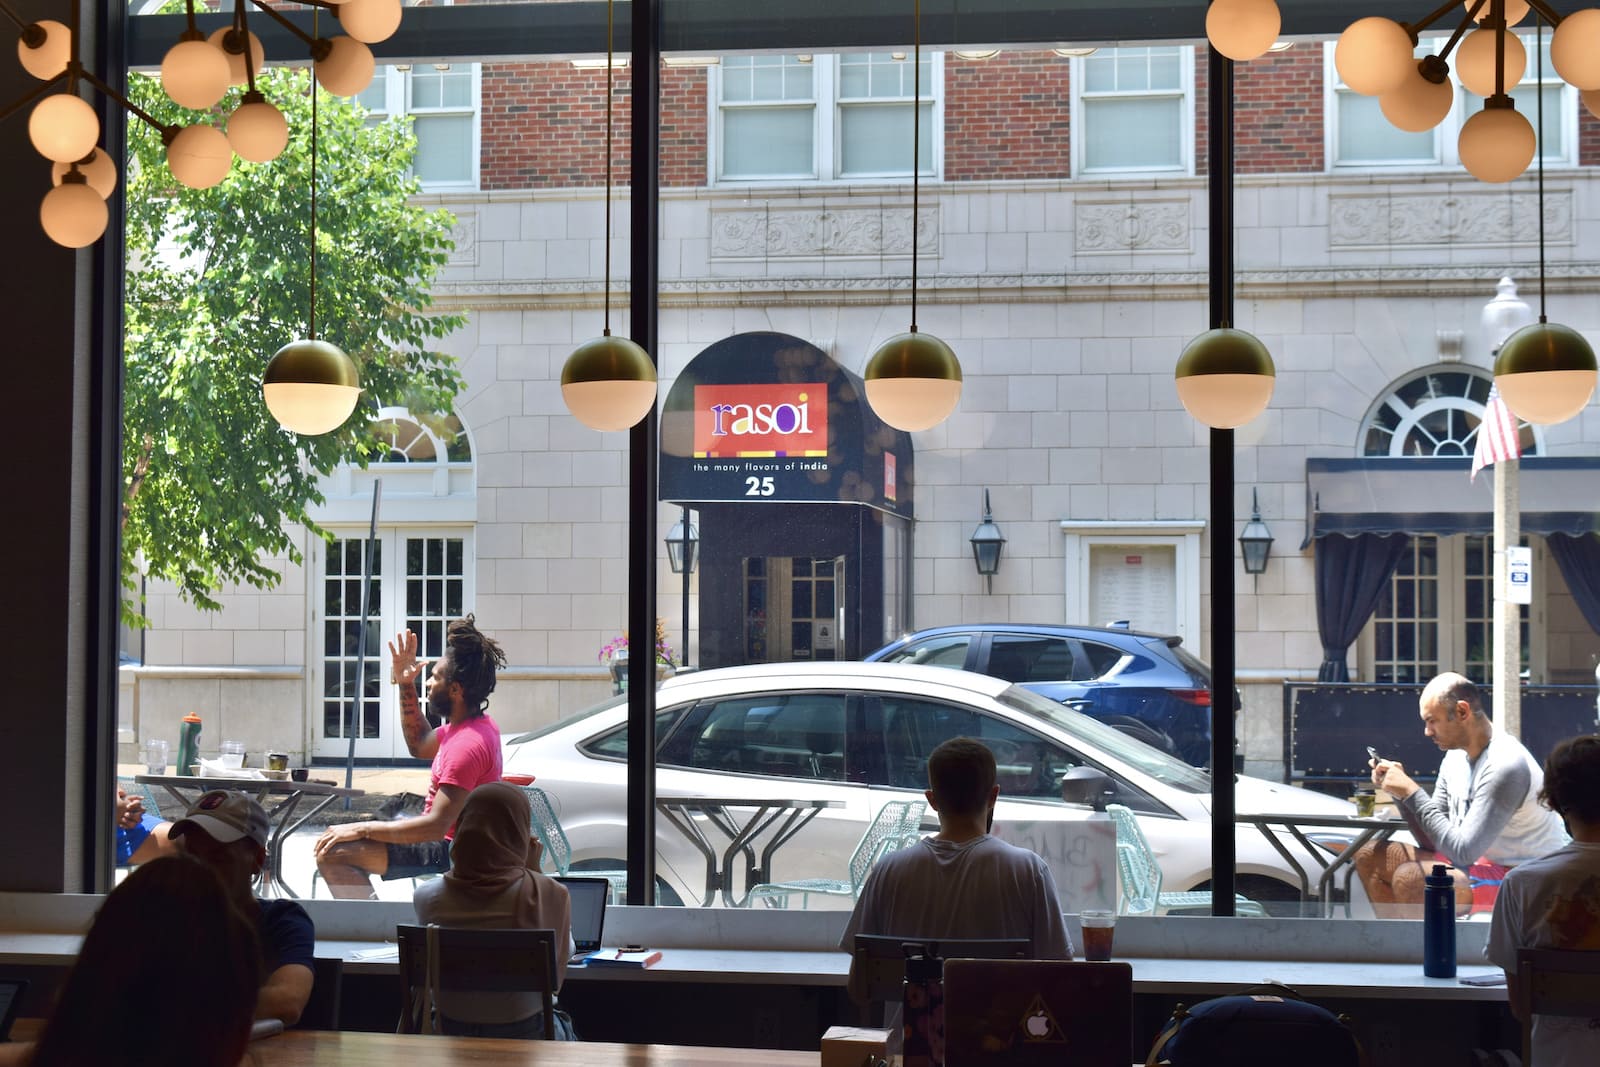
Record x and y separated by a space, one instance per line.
1373 753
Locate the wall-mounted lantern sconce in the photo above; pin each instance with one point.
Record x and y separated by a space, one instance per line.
1255 543
987 541
682 540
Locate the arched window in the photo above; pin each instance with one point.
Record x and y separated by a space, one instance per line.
410 440
1435 412
1438 610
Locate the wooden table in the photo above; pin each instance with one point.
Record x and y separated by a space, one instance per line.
788 816
1372 828
330 1048
280 800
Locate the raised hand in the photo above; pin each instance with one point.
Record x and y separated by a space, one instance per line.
404 667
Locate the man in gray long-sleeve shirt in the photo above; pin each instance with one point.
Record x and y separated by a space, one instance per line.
1484 807
964 882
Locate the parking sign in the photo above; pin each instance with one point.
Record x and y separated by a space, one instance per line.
1519 575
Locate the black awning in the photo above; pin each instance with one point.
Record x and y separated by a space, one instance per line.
1558 494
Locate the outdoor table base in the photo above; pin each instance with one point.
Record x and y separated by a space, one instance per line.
789 817
281 801
1369 829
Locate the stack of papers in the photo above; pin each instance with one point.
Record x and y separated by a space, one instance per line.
215 769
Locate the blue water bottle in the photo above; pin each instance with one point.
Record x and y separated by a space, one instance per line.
923 1004
1439 924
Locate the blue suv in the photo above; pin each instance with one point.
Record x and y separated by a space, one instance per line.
1144 684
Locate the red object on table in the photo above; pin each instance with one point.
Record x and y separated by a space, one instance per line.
517 779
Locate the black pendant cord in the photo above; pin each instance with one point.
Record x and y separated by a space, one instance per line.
916 146
610 82
1538 140
312 332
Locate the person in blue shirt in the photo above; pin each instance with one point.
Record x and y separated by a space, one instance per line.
228 830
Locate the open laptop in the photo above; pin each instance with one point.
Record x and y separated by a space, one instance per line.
1024 1012
589 896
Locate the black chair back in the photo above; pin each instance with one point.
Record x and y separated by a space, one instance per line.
476 961
322 1010
880 962
1556 982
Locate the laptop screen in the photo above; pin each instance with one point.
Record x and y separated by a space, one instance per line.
1020 1013
589 897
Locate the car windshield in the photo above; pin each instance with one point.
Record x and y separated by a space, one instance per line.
551 727
1109 740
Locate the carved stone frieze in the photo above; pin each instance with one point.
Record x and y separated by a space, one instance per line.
1124 226
813 232
465 235
1454 219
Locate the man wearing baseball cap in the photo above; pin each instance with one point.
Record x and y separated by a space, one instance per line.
228 830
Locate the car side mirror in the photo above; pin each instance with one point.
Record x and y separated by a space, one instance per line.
1086 785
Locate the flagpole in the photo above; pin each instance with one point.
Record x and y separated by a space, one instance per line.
1499 445
1507 702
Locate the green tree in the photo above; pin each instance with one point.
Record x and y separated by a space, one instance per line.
218 280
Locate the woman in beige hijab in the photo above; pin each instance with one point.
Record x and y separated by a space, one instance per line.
494 882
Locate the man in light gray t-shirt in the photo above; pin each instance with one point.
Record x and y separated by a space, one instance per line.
964 882
1484 807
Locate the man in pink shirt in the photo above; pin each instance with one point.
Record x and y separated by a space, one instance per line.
465 751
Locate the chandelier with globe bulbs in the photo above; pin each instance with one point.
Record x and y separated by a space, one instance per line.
196 74
1377 57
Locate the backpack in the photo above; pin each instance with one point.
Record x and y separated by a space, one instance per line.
1262 1027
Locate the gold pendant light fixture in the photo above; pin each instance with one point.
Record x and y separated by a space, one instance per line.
196 74
1376 56
913 380
609 383
1545 371
311 386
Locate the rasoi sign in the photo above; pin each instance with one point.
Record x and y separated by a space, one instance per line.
769 417
738 421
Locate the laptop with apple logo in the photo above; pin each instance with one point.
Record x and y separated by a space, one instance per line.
1025 1012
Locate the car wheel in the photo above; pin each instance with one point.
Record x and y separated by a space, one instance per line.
1143 731
666 896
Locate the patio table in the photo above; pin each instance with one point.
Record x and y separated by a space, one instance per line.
280 800
785 817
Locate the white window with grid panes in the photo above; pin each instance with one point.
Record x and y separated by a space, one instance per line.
421 578
1437 614
1133 111
823 117
1358 135
441 99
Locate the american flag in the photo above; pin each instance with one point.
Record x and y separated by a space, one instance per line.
1497 435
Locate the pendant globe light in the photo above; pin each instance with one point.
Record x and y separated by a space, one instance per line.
914 379
1545 371
1225 377
609 383
311 386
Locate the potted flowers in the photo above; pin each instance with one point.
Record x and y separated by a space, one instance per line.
614 653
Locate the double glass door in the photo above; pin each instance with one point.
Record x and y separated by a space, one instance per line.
793 608
420 580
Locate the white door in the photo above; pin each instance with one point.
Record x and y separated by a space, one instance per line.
421 579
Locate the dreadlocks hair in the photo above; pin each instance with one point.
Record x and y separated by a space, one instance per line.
474 657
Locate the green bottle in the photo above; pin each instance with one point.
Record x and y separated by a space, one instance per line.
188 742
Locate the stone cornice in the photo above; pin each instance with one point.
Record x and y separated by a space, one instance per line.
1411 280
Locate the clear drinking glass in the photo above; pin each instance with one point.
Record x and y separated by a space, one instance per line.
155 756
233 754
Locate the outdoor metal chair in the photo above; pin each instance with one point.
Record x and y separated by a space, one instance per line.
1139 874
558 850
474 961
1562 982
896 825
